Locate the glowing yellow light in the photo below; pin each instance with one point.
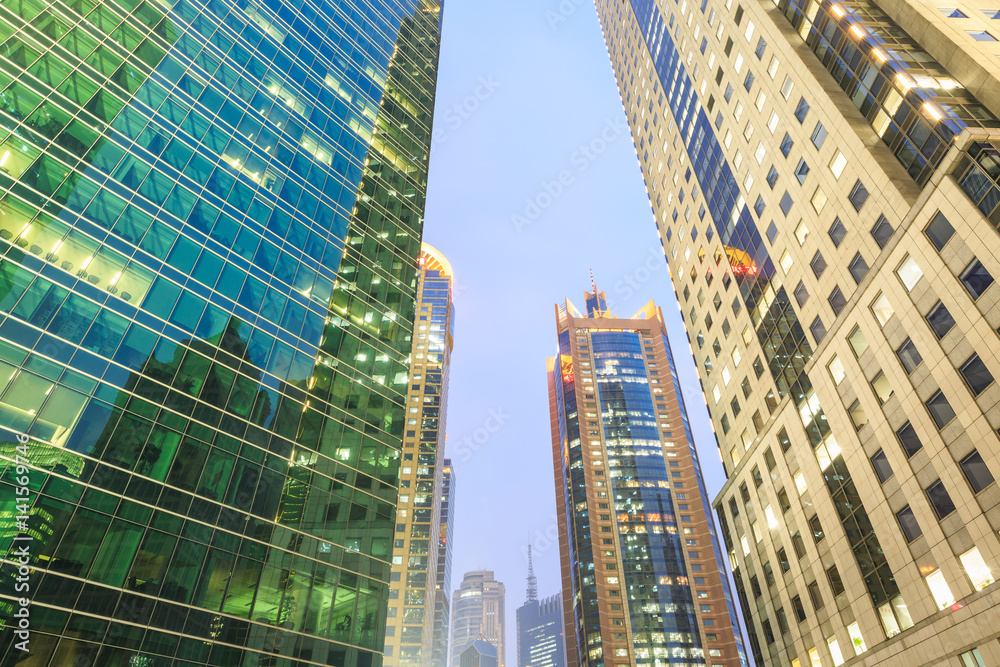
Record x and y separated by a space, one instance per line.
857 31
878 55
86 263
837 11
3 160
933 111
905 80
116 278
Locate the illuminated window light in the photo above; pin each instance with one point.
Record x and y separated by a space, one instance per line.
933 111
879 55
906 81
837 11
857 31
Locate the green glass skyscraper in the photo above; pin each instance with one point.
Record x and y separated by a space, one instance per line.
210 218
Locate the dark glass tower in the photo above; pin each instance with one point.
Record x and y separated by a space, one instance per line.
210 218
644 582
540 640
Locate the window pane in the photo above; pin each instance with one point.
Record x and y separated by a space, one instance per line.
836 583
858 196
909 356
976 374
940 500
908 439
858 267
976 278
882 231
818 264
837 232
908 522
940 590
881 387
909 272
939 231
940 409
837 300
881 465
801 294
858 342
976 472
857 414
940 320
882 309
836 368
978 571
818 329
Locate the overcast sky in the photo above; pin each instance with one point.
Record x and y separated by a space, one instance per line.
534 182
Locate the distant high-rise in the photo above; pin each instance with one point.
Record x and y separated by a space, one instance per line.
210 217
540 627
411 624
644 582
479 653
442 599
825 180
477 609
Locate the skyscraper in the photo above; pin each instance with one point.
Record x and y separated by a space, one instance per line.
210 221
477 611
410 627
442 595
540 627
643 575
824 181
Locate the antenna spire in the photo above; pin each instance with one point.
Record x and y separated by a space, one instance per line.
532 580
593 283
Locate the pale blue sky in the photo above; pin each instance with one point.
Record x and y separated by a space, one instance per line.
526 97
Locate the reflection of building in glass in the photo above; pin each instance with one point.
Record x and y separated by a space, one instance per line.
643 578
825 180
442 594
421 519
209 227
540 627
477 611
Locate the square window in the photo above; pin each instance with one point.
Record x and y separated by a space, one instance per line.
786 87
909 273
786 261
940 320
816 528
837 300
729 92
976 375
940 500
858 268
818 264
882 231
908 440
858 196
748 82
908 523
837 164
818 329
939 231
801 110
786 203
858 341
976 278
836 583
909 356
836 370
881 465
857 414
981 36
772 232
801 171
786 144
818 135
881 387
772 67
882 309
976 472
818 200
761 46
772 177
801 232
758 207
940 409
801 294
837 232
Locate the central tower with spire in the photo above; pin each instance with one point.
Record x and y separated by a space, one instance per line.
540 640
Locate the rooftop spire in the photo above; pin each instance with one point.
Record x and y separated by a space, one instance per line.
532 580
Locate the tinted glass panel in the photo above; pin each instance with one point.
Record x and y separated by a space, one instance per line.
940 500
976 472
908 522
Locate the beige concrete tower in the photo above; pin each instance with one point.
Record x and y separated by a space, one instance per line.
644 579
823 176
409 635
